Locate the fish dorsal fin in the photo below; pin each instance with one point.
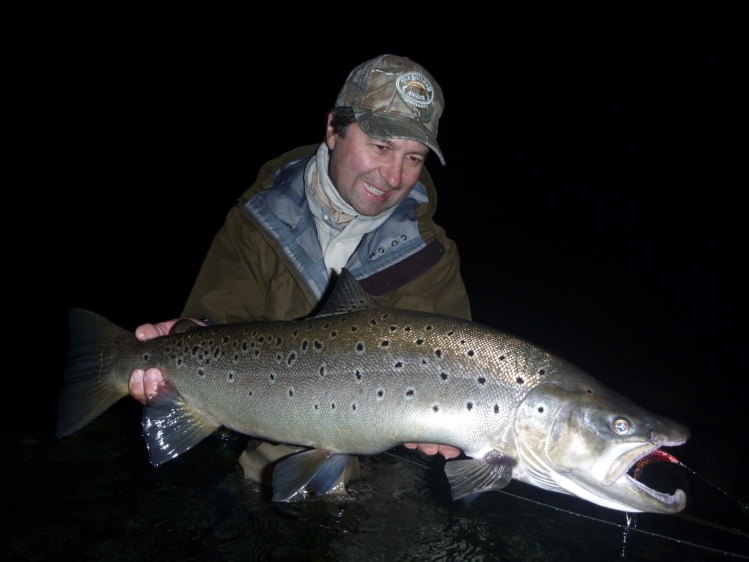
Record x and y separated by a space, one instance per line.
348 296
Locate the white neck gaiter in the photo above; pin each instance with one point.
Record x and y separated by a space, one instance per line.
339 227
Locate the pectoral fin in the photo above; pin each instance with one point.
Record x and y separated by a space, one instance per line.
315 468
472 476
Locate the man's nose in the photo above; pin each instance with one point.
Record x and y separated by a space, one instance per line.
391 171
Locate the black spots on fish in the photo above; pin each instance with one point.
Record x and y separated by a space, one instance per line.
256 353
410 393
385 316
384 343
250 394
353 407
333 334
318 345
237 357
279 341
502 357
589 391
373 322
452 333
435 408
332 405
358 376
231 376
481 380
201 373
360 347
444 376
540 409
354 328
291 392
323 370
380 393
520 380
343 319
295 333
542 372
496 408
217 353
272 377
438 353
470 353
398 365
305 345
393 328
407 329
469 406
326 325
419 341
226 340
291 359
146 357
429 327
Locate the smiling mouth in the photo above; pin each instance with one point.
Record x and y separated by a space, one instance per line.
372 190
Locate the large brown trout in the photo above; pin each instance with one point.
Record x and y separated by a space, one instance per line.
359 379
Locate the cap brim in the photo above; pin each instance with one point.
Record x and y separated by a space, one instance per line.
381 126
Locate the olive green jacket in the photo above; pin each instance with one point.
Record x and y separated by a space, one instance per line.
261 263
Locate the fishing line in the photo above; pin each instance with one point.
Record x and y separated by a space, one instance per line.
627 528
744 505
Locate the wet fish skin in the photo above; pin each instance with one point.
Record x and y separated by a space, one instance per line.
359 379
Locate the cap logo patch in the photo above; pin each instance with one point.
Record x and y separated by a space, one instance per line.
415 89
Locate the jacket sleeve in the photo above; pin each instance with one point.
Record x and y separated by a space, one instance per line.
241 269
229 287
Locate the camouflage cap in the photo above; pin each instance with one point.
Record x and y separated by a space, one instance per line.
394 97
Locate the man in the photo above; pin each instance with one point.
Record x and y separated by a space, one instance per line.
362 199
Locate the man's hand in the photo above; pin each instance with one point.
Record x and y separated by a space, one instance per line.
432 449
142 383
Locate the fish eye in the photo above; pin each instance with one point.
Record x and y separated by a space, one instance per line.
621 426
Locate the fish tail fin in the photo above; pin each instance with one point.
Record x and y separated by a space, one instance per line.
89 388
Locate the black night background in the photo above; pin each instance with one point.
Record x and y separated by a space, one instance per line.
594 185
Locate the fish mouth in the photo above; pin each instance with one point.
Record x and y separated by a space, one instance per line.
623 487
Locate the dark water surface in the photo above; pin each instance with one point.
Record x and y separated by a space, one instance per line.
94 496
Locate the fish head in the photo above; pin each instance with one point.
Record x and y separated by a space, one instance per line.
579 437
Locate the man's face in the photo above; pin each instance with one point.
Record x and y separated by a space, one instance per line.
370 174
